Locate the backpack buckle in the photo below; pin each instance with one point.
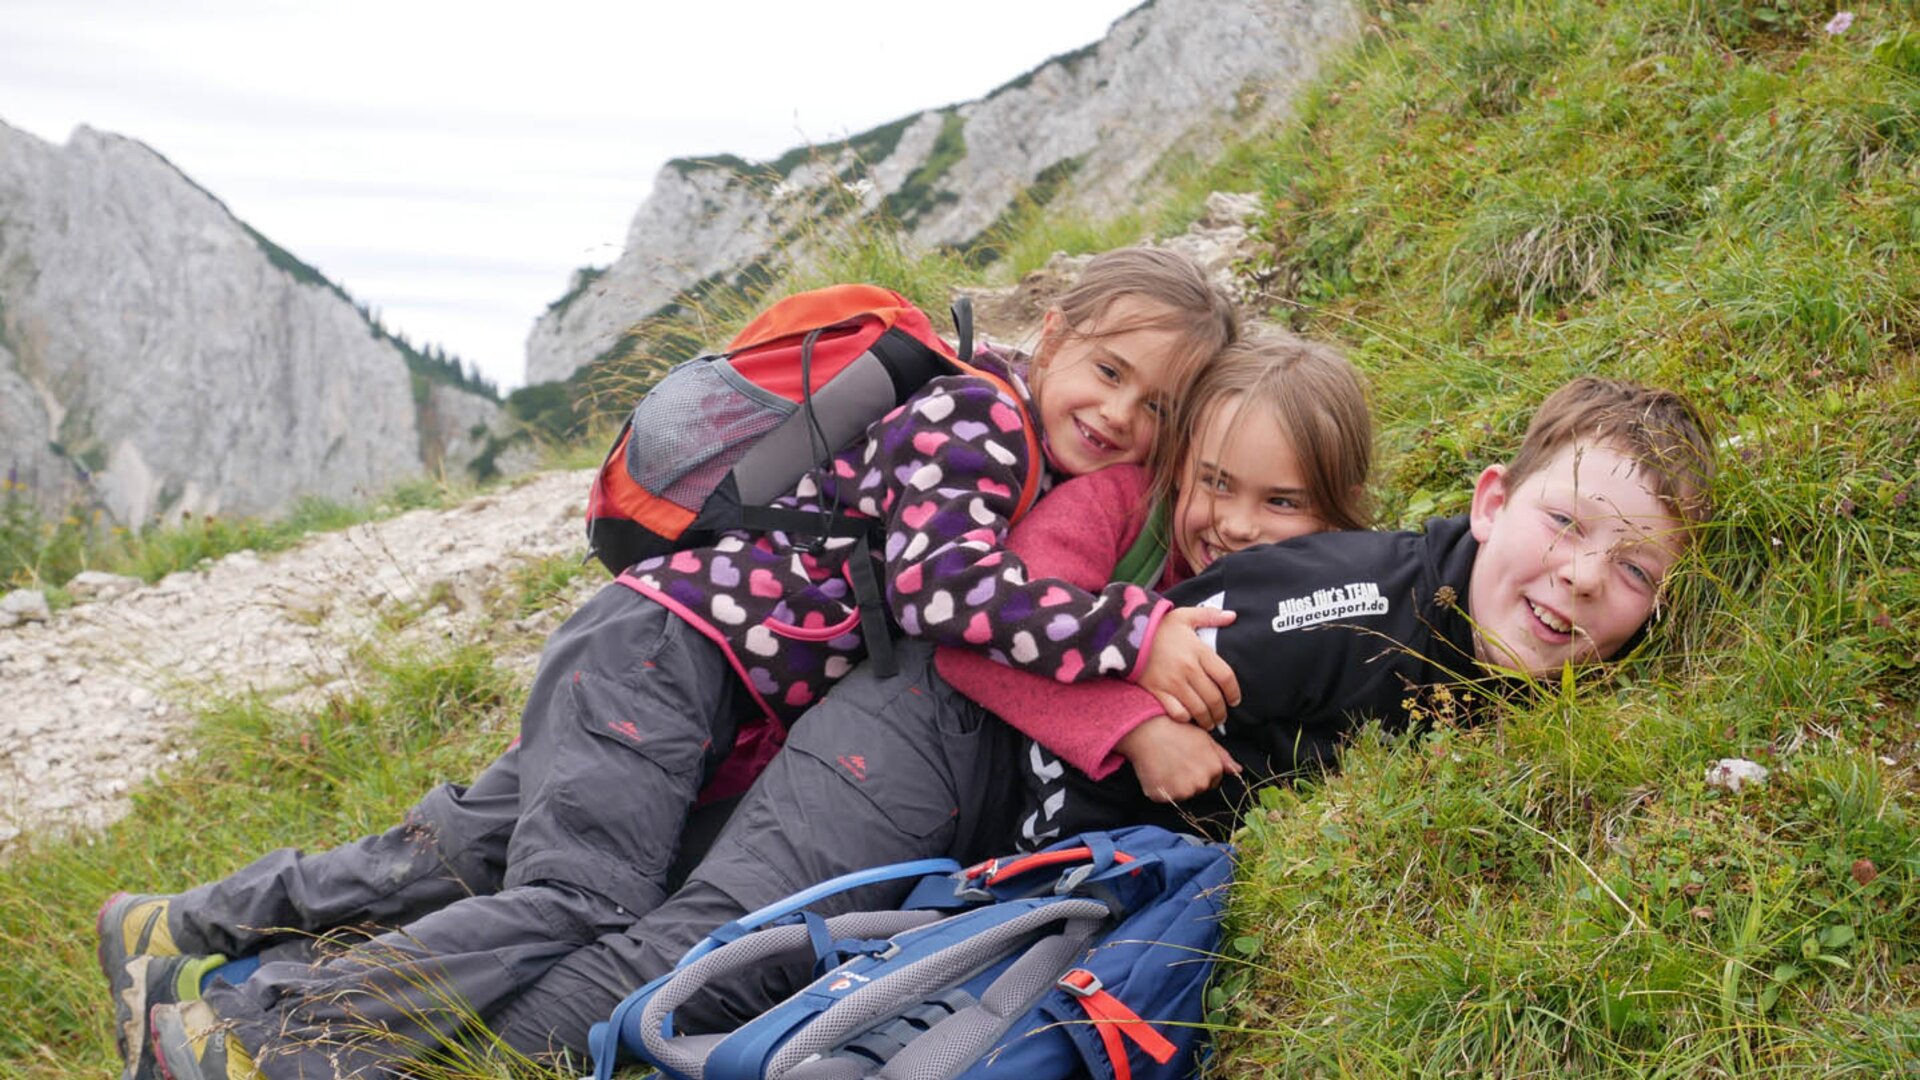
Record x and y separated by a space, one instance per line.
1080 983
1072 880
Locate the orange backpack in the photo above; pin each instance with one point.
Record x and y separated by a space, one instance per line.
721 436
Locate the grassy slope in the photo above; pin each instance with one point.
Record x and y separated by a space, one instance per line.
1484 203
1478 203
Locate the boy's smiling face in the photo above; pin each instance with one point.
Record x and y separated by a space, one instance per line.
1570 562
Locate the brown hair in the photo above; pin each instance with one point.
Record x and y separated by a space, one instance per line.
1660 430
1317 400
1195 309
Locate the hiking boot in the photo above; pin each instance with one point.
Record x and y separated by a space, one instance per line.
149 981
127 926
130 925
191 1043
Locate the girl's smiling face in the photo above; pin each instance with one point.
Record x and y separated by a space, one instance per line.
1241 485
1102 390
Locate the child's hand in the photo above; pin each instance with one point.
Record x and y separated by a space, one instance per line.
1190 680
1173 760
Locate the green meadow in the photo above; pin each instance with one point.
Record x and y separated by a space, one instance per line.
1478 201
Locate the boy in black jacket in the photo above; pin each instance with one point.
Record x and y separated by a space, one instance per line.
1560 560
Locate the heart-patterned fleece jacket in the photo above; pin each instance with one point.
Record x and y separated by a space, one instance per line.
1080 535
943 474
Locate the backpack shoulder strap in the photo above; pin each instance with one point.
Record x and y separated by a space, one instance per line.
607 1037
798 901
963 327
1043 936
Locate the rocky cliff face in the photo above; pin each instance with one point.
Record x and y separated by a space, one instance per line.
1088 127
158 356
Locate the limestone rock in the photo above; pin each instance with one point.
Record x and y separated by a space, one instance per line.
24 605
159 357
90 585
456 428
1735 773
1089 128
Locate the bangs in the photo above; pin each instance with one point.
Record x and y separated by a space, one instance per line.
1200 338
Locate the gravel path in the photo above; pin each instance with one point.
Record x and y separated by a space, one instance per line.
95 698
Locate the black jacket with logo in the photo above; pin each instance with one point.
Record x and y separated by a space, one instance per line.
1333 629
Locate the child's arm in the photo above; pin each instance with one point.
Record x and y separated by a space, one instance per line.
1078 533
945 474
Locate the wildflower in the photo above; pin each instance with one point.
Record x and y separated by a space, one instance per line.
1840 22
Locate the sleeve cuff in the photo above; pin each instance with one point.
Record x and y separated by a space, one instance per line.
1160 610
1109 758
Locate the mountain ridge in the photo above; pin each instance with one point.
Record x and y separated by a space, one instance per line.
161 357
1086 127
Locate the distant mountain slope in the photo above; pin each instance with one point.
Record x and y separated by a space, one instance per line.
1089 126
158 356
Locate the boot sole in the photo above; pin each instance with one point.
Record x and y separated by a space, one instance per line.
105 953
158 1036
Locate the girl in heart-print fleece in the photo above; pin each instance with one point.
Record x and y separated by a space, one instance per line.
943 472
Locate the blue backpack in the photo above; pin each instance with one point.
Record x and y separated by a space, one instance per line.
1088 958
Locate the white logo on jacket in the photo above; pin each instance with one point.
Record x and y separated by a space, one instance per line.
1326 605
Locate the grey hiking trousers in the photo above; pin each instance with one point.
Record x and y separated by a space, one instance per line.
570 835
452 845
880 771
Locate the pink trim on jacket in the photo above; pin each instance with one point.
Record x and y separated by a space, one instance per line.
817 633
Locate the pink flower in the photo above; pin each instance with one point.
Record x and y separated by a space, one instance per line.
1839 23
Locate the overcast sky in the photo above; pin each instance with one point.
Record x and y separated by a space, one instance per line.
450 164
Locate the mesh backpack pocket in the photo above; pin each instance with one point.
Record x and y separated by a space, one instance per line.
700 420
